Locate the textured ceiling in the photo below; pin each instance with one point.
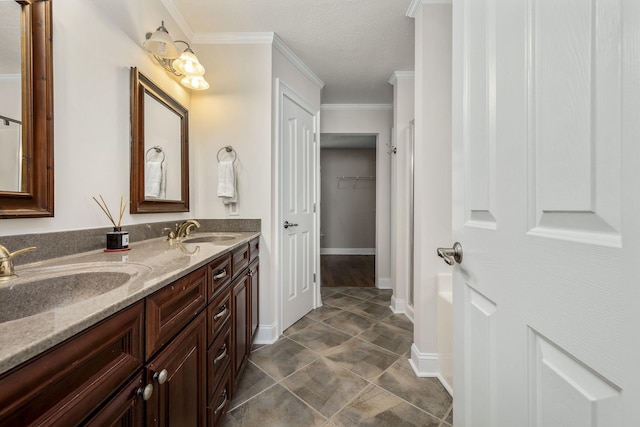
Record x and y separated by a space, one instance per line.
354 46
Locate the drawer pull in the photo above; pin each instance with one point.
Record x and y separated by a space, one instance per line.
224 402
222 355
145 392
161 377
221 313
220 275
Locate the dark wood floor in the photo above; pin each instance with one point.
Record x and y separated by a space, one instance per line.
347 270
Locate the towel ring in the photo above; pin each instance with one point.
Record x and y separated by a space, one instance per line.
158 150
228 149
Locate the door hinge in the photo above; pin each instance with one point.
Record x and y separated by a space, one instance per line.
315 137
314 277
314 208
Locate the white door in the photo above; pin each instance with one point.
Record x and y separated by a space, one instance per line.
298 186
547 209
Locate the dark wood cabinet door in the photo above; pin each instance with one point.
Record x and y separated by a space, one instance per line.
254 273
180 401
125 409
65 384
240 326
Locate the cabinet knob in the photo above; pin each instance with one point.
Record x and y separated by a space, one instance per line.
161 377
145 392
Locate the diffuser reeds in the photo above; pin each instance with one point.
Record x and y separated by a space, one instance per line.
107 212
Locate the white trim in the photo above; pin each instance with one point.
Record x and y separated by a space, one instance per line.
398 305
409 312
425 365
296 61
347 251
384 283
177 16
260 38
401 75
233 38
412 11
267 334
10 77
445 384
356 107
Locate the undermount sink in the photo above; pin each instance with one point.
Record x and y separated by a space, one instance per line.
44 289
209 239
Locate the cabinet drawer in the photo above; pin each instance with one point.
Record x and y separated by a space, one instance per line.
254 248
218 315
219 404
63 385
240 258
220 272
218 360
171 308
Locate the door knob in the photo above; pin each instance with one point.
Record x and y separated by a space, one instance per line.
288 224
451 255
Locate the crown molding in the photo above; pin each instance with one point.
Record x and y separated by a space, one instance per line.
356 107
296 61
412 11
260 38
177 16
401 75
233 38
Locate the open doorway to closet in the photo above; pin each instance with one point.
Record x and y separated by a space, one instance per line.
348 210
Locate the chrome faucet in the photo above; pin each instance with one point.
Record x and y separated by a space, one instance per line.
184 229
6 262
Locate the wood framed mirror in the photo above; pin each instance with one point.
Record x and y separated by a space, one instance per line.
159 149
26 89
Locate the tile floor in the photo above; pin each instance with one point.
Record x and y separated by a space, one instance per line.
344 364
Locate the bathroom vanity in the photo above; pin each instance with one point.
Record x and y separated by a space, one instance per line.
167 349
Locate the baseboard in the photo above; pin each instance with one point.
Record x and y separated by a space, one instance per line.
384 283
409 311
446 385
347 251
425 365
267 334
398 305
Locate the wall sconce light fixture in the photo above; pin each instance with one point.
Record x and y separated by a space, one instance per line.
167 54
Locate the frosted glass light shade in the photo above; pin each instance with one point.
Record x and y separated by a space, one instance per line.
195 82
188 64
161 45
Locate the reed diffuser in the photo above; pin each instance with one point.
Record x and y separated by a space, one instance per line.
117 240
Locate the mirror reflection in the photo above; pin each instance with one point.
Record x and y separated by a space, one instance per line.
11 141
162 144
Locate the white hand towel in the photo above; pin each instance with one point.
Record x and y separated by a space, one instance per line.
227 182
152 179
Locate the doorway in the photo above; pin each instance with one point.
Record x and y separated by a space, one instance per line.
348 210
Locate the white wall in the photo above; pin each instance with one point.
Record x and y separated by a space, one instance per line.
378 120
94 45
238 110
432 175
348 208
403 114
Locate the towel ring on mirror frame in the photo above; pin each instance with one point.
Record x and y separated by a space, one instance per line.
228 149
158 150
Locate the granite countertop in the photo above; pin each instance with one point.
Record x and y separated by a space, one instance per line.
151 264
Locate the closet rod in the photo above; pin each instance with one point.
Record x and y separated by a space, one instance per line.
6 120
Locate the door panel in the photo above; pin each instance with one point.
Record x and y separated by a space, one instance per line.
542 178
298 186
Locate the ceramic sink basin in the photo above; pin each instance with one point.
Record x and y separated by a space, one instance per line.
45 289
209 239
